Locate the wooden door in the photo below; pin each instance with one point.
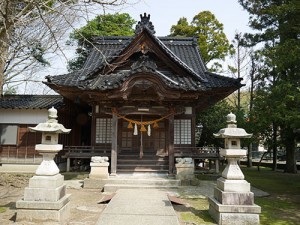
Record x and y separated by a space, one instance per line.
153 144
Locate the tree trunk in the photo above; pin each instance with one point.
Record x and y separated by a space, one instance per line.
274 146
3 59
290 143
6 23
249 156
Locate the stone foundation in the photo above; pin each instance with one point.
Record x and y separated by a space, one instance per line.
234 214
45 199
99 173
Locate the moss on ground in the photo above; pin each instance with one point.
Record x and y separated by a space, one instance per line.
280 208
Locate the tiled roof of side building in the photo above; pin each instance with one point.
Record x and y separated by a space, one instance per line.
30 101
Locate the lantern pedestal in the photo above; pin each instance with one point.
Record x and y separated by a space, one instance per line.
233 202
45 198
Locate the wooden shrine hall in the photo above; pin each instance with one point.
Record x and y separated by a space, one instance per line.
136 99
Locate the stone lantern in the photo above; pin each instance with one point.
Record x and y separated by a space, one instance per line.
45 199
233 202
49 146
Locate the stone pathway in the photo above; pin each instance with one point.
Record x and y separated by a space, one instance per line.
139 206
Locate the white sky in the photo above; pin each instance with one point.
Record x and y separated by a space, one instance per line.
165 13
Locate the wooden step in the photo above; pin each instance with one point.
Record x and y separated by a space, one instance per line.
150 163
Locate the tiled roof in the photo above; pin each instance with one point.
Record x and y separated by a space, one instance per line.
183 51
30 101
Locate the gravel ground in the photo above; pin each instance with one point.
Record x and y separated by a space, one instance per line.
85 209
84 203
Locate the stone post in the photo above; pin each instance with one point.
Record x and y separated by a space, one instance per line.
99 168
99 173
185 170
233 202
45 198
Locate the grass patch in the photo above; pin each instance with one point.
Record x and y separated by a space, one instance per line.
282 206
278 211
2 209
75 175
273 182
196 212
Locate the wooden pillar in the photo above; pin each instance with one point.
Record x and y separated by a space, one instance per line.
93 126
68 164
217 162
114 146
171 144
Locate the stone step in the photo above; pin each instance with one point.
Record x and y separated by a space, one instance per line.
145 157
142 168
142 162
143 181
115 187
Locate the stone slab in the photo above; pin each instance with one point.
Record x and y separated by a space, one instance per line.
44 194
46 181
44 215
234 218
233 185
94 183
21 204
234 198
139 206
249 209
116 187
233 152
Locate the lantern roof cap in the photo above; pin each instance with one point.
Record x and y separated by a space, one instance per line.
51 126
232 131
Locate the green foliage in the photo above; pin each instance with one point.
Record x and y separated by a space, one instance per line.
277 98
212 41
103 25
212 120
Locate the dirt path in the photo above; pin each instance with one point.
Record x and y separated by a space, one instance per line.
85 209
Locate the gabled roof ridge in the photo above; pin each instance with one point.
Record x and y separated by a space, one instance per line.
175 57
108 60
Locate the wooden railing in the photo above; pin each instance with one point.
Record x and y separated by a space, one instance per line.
197 152
19 154
85 151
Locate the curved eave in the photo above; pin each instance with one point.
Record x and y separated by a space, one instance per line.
232 133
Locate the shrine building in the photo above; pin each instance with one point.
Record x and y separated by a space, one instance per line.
136 99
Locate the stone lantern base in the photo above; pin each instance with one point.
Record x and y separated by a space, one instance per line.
45 199
233 203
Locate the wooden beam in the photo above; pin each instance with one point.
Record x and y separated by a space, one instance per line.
114 146
171 145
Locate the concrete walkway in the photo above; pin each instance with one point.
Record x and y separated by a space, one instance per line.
139 206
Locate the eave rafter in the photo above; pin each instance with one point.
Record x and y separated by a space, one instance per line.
146 87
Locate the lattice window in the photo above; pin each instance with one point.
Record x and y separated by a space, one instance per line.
183 131
8 134
103 130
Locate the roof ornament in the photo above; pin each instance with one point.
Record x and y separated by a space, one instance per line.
144 23
144 63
